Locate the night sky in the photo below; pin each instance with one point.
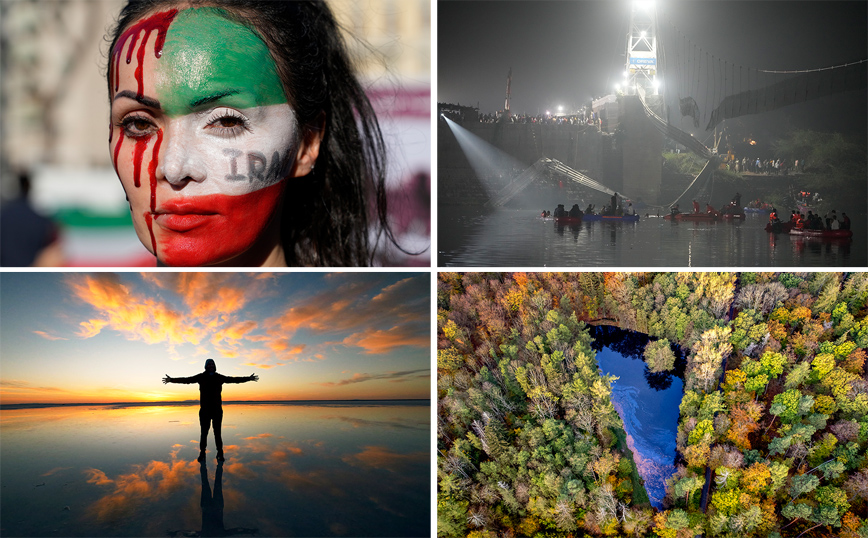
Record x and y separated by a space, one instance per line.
564 53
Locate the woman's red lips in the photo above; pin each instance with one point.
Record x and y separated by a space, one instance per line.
183 215
177 222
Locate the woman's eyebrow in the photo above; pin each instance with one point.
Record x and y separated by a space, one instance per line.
211 98
147 101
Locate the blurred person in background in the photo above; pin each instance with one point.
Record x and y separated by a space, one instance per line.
27 239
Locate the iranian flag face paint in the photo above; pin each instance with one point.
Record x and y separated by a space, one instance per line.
202 138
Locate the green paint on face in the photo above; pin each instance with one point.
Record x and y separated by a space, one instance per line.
210 59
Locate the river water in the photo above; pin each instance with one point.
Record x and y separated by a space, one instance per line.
647 403
469 237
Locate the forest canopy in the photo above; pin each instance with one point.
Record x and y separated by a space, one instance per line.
773 412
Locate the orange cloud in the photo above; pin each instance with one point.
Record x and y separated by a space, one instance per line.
47 336
391 376
378 341
135 316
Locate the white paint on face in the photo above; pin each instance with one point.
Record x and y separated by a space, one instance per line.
229 151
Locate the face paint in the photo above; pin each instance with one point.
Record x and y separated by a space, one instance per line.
222 137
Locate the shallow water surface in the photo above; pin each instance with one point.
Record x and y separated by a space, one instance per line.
469 237
648 406
352 469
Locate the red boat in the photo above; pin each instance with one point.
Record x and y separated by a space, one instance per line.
696 217
781 227
822 234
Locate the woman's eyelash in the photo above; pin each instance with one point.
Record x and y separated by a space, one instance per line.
128 125
240 122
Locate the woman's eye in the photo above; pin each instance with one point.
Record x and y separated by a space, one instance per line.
227 125
230 122
138 127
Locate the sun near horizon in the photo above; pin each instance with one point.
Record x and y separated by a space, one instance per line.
111 337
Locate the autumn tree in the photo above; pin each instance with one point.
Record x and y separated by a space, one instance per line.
708 355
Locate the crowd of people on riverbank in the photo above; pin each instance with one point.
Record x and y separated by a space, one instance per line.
543 119
765 166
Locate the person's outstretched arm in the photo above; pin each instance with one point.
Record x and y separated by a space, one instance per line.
240 379
186 380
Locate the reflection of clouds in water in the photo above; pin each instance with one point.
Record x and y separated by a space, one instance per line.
154 481
275 448
323 480
380 457
396 422
653 448
56 469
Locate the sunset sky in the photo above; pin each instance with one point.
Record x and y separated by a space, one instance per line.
111 337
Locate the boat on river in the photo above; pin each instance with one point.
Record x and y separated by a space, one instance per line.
757 209
611 218
821 234
779 227
694 217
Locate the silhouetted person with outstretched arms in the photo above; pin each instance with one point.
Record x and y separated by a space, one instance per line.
210 402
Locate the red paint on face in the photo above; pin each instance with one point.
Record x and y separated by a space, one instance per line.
141 145
152 170
159 22
150 222
205 230
117 151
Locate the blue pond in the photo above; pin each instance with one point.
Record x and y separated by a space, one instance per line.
647 403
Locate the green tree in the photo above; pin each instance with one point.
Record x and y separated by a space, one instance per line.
659 356
832 504
686 486
803 483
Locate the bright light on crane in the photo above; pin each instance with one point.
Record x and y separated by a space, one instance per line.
644 5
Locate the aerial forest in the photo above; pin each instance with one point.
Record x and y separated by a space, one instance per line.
772 435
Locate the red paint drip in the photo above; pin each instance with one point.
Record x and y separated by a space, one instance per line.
159 22
152 170
140 57
150 222
117 151
141 145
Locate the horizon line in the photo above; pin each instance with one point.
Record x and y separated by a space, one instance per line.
36 405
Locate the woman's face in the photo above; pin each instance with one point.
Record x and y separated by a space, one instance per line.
202 138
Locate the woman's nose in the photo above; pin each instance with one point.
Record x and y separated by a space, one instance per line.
181 161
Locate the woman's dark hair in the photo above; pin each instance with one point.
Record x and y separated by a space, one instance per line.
325 219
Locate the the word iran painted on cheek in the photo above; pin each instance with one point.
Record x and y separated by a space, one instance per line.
209 94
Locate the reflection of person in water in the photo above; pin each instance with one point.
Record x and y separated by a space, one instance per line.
212 509
210 402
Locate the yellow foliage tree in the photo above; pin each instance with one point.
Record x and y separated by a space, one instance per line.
756 478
